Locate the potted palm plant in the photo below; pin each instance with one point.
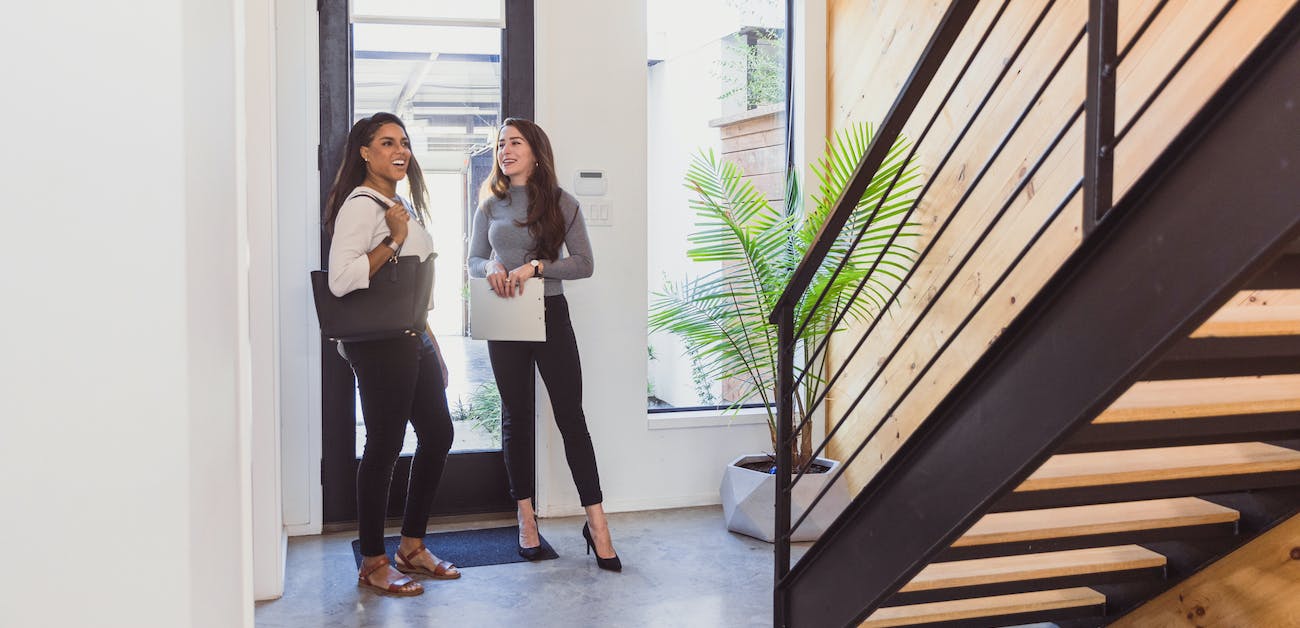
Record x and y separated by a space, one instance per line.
755 247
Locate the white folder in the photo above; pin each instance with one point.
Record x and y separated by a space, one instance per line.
521 317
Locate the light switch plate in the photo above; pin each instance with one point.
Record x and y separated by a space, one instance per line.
598 213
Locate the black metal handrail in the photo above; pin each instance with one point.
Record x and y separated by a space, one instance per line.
936 51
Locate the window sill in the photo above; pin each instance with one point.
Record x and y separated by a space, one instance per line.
705 418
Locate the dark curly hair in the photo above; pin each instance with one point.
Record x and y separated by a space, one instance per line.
352 172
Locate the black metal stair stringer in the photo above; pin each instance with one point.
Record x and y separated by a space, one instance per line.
1213 210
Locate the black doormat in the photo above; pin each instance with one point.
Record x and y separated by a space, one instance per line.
469 548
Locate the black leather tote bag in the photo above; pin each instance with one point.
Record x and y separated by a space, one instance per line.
395 304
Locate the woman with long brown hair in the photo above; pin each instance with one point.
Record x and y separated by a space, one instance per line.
528 228
402 378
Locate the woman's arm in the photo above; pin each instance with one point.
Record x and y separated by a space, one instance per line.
480 250
579 263
352 262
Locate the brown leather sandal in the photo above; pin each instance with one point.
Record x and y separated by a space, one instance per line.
441 571
402 587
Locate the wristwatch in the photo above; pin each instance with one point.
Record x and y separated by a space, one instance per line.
537 267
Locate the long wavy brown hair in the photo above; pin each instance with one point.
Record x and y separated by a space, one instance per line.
545 220
352 172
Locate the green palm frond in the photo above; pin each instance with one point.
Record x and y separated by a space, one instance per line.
721 316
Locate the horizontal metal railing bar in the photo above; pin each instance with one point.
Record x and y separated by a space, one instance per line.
862 340
1146 24
885 196
926 188
1024 181
950 26
1141 30
1137 35
1132 42
839 318
1006 139
1173 72
957 331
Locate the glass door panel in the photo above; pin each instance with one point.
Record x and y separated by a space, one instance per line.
440 66
444 82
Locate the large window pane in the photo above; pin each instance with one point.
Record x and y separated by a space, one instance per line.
716 82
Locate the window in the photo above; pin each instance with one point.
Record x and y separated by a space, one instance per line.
717 82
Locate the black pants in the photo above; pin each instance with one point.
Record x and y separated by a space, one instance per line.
400 379
557 360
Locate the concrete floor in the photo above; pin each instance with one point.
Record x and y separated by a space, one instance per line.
682 569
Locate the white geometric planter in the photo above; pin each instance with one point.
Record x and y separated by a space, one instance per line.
749 500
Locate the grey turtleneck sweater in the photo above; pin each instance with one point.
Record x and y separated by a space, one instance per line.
498 237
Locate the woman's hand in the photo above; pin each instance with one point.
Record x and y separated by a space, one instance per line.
397 218
512 282
497 279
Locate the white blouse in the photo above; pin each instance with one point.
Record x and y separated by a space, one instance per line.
358 229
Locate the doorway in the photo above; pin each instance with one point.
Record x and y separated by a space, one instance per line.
441 67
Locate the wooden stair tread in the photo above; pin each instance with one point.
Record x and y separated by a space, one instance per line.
980 571
993 606
1163 463
1255 313
1244 322
1191 398
1053 523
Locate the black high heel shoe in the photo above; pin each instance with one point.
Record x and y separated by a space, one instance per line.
533 553
610 564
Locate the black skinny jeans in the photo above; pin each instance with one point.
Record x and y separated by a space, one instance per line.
557 360
400 379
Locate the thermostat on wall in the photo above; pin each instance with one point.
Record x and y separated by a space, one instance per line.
589 183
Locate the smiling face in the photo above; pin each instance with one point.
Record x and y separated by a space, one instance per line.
515 156
388 153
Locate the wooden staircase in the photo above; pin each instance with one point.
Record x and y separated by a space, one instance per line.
1174 474
1135 423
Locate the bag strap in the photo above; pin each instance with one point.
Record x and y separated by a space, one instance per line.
384 205
371 197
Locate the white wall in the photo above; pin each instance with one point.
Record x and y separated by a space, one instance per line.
269 539
126 379
298 238
591 99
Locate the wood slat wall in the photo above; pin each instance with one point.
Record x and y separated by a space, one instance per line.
755 141
872 46
1255 586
